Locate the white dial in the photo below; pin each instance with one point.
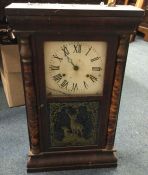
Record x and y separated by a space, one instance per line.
74 67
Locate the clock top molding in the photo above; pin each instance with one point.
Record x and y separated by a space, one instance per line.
47 16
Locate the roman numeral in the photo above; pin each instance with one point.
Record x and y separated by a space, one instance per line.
52 67
65 50
74 87
57 77
85 84
77 48
92 78
95 59
55 56
96 68
64 84
88 51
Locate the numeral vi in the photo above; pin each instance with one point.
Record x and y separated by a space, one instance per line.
74 87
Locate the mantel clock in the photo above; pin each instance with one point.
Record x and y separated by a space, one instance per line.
73 59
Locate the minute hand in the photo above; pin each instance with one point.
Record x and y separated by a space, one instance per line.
70 61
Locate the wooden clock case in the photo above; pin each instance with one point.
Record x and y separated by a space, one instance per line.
32 28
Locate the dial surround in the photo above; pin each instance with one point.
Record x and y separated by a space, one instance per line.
74 67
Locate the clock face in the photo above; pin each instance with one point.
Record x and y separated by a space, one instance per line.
74 67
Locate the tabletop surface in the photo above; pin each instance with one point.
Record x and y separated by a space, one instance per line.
85 10
70 6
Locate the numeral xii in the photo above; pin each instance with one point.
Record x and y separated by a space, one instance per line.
77 48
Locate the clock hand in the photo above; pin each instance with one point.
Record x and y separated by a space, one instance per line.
70 61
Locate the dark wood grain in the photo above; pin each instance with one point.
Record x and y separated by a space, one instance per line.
117 86
26 61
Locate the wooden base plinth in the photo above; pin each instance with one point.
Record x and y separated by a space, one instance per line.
71 160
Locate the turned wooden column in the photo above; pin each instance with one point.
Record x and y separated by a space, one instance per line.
117 87
30 96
